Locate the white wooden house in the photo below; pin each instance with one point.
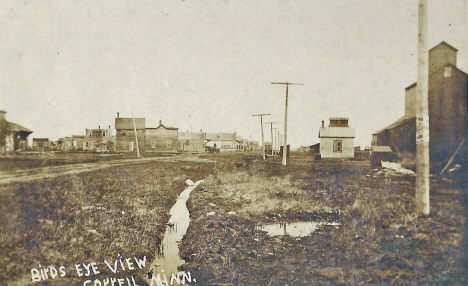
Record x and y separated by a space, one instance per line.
337 140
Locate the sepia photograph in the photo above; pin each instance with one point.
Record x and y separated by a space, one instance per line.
233 142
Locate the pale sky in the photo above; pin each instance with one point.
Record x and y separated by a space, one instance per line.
70 65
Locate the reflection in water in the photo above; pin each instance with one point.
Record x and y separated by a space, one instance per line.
295 229
167 257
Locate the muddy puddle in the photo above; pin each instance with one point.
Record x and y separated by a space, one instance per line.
164 269
294 229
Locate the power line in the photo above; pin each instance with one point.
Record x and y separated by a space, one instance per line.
271 126
261 124
285 146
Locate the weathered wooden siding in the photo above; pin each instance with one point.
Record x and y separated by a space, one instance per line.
161 140
448 116
326 148
124 137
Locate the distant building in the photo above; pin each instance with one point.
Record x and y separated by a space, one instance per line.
125 134
337 140
315 149
13 137
448 109
242 144
253 146
161 139
191 141
41 144
77 142
225 142
64 144
97 140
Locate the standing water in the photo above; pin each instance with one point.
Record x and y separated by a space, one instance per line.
294 229
164 269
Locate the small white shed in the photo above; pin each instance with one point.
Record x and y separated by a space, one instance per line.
337 140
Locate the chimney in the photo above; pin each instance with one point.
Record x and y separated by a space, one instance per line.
118 115
160 122
109 126
323 123
99 127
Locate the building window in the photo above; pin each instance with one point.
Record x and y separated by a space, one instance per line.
103 133
153 144
124 134
448 72
337 146
169 143
87 144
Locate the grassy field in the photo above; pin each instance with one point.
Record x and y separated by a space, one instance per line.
88 217
379 239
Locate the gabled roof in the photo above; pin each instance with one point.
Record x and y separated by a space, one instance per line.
162 126
127 123
445 44
18 128
400 121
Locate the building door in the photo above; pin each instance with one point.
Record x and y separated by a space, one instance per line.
130 146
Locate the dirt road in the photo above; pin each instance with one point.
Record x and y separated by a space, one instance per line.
28 175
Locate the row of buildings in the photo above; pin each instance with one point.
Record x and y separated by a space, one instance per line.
130 132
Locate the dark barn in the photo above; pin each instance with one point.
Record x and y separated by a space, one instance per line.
448 109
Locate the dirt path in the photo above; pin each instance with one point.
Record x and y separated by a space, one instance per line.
54 171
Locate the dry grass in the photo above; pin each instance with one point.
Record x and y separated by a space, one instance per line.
88 217
380 240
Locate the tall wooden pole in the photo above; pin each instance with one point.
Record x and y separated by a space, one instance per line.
278 144
276 139
422 115
285 147
263 141
271 126
136 136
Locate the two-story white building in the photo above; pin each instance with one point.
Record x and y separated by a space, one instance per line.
337 140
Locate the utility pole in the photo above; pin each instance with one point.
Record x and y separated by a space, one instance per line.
276 139
261 124
278 142
422 115
280 138
285 147
136 136
271 126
